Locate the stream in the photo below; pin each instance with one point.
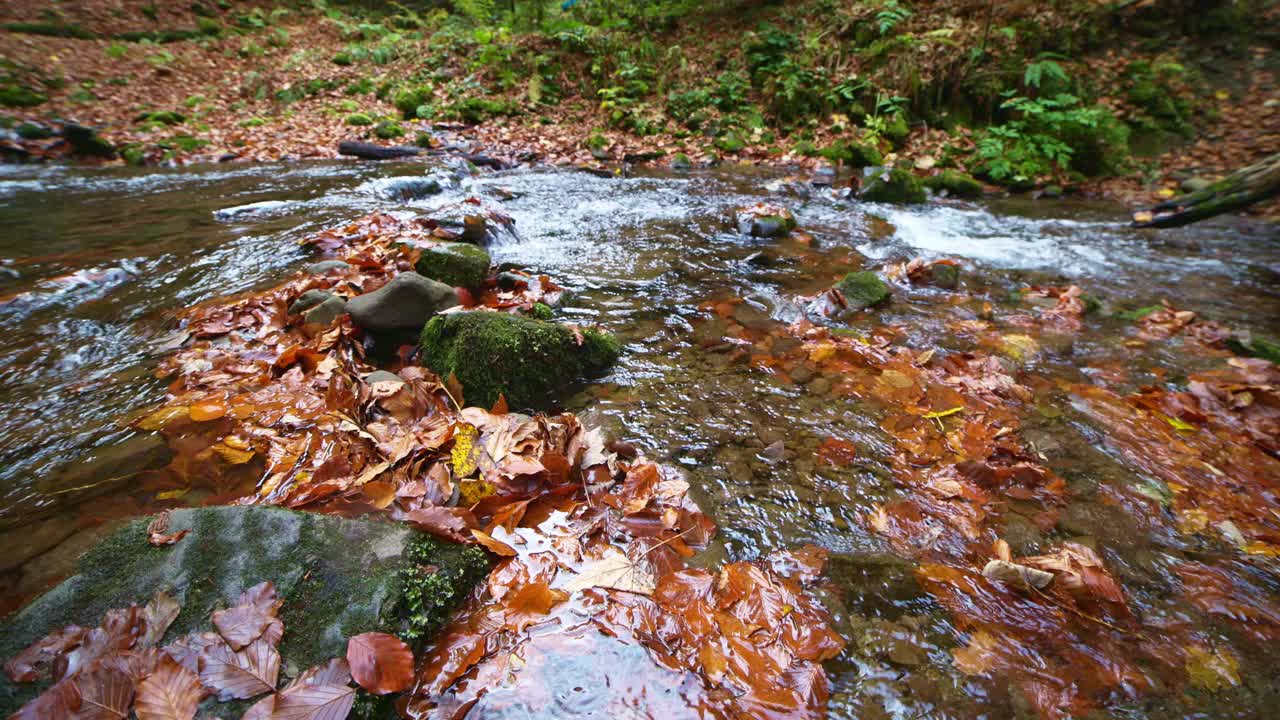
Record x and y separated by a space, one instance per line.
93 264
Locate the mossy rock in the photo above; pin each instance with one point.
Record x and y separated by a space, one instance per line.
17 96
1255 346
527 360
388 130
731 142
680 161
32 131
456 264
86 142
893 186
955 183
162 117
407 100
852 154
897 130
863 289
337 578
359 119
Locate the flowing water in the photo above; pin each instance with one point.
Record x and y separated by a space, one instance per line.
94 262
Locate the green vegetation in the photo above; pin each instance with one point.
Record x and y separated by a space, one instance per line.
863 289
455 264
526 360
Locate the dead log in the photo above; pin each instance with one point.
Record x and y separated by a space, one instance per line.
1238 190
370 151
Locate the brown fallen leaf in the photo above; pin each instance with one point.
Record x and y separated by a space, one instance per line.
171 692
158 615
1015 574
497 547
250 617
158 531
240 675
314 702
614 570
380 663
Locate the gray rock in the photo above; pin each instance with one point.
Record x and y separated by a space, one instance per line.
405 303
1195 184
383 376
326 312
308 300
404 188
336 577
324 266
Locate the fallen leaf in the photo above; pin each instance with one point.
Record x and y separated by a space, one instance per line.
614 570
250 617
497 547
171 692
380 663
158 531
240 675
1015 574
105 694
159 614
314 702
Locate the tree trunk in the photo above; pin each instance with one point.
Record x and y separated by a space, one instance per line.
369 151
1240 189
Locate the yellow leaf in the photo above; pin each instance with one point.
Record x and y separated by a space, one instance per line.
822 351
1258 547
1019 347
1166 192
1212 669
172 494
162 417
1179 424
471 492
944 413
465 451
1222 94
233 456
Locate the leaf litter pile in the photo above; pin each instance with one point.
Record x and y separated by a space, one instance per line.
591 538
1060 627
105 671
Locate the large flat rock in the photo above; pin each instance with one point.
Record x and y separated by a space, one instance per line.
337 577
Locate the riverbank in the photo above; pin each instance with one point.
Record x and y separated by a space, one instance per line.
1133 103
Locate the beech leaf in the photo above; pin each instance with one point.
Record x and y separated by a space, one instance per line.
614 570
380 663
171 692
240 675
314 702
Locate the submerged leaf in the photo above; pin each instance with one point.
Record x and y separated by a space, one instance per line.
614 570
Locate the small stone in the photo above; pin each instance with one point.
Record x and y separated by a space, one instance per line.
455 264
863 289
326 312
308 300
405 303
680 161
378 376
324 266
474 229
944 275
1051 191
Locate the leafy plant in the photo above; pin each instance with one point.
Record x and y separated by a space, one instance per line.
1044 70
889 16
1044 138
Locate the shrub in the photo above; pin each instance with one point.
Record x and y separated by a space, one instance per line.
1045 138
408 100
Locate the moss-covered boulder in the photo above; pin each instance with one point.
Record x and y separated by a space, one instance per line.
337 578
863 289
893 185
86 142
526 360
456 264
955 184
852 154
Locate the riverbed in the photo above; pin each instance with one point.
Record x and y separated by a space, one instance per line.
94 263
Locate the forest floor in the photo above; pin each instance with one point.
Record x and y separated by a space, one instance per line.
256 85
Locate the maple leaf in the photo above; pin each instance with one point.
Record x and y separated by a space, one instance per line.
614 570
170 692
380 663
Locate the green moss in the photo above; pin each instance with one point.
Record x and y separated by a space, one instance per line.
894 186
17 96
542 311
526 360
680 161
1139 313
897 130
359 119
427 595
852 154
50 29
456 264
134 155
1258 347
407 100
252 122
185 143
32 131
342 59
163 117
388 130
731 142
956 183
476 110
863 289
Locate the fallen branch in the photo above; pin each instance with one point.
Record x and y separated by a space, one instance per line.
370 151
1238 190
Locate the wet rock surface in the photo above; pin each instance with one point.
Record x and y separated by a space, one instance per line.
404 303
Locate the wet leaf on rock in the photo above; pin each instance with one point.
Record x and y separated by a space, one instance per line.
380 663
170 692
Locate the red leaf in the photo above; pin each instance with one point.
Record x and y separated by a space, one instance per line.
380 663
240 675
172 692
59 701
334 672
